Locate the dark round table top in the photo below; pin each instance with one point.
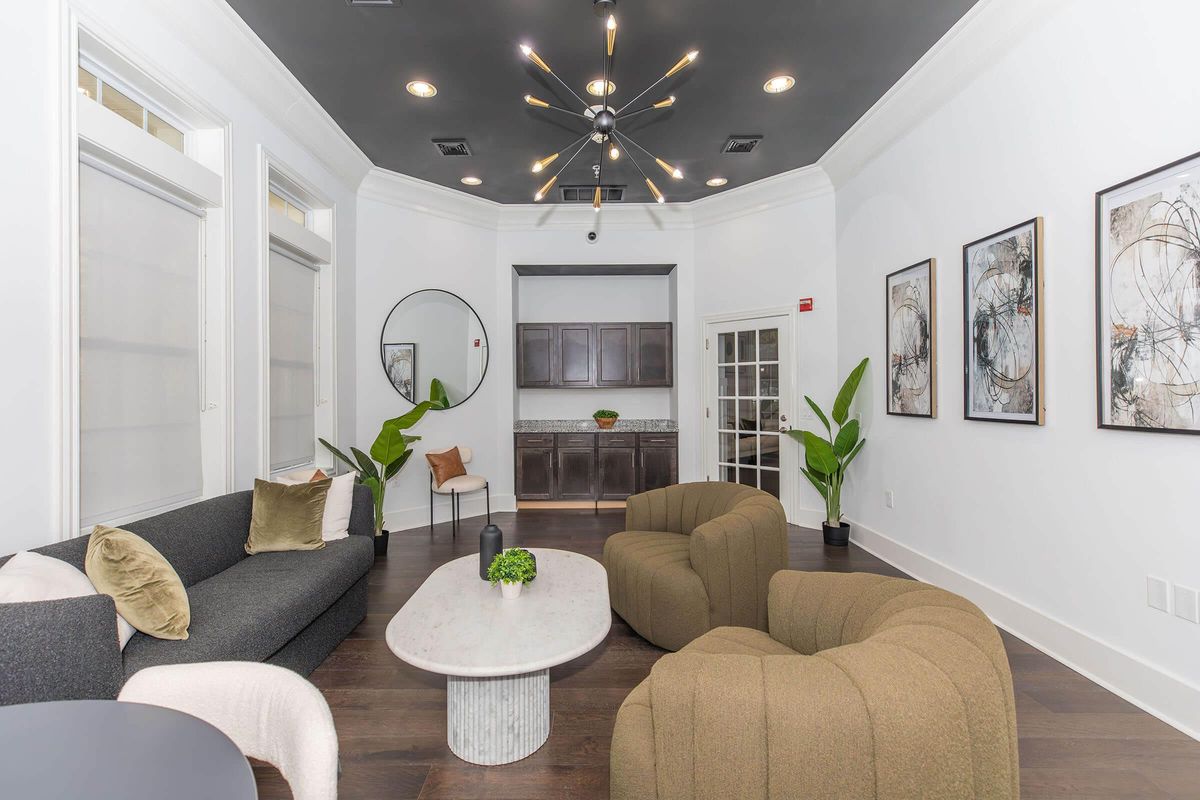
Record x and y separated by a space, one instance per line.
108 750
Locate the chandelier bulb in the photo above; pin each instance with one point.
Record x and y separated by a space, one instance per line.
658 196
542 192
614 153
667 168
538 166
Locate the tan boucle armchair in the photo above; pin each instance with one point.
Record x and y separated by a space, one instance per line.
693 557
867 687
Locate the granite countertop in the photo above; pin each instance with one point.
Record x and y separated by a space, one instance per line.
590 426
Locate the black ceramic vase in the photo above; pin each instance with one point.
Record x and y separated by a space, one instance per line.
836 535
491 542
381 544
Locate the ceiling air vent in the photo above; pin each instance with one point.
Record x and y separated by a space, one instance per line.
741 144
584 193
453 147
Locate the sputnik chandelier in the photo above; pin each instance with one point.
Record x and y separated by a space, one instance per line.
603 119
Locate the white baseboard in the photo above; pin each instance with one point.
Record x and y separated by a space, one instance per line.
1170 697
808 517
473 505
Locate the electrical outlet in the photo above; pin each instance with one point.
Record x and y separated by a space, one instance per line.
1158 594
1187 604
889 498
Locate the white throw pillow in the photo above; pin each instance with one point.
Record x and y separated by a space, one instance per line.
28 577
335 523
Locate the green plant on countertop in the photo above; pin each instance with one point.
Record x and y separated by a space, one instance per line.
605 413
391 450
827 457
514 565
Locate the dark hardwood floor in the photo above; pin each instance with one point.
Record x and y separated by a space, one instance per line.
1077 740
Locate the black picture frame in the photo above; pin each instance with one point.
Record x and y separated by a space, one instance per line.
384 349
1100 256
482 329
930 265
1037 370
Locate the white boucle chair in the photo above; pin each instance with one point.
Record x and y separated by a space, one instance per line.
271 714
456 487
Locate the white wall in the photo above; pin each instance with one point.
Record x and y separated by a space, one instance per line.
206 49
624 298
1054 529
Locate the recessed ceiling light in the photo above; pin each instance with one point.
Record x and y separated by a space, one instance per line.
715 182
596 88
471 180
421 88
779 84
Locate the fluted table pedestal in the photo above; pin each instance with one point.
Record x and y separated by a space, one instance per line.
497 720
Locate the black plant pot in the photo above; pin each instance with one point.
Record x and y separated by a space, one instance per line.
381 544
836 535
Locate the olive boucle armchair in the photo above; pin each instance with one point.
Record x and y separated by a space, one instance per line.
693 557
866 687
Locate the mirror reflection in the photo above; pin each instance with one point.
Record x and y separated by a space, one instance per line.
431 334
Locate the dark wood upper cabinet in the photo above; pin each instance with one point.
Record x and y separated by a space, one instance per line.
535 355
574 349
614 354
586 354
653 354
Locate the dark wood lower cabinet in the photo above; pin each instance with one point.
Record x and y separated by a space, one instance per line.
612 466
576 473
657 467
535 473
618 473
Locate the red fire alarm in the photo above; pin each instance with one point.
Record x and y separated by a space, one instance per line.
477 343
805 304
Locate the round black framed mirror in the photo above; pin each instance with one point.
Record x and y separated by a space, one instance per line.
433 334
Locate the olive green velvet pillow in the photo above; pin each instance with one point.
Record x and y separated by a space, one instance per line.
144 586
287 517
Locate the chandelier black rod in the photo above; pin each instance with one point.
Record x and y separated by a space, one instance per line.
640 111
585 103
629 139
586 137
642 93
584 117
628 152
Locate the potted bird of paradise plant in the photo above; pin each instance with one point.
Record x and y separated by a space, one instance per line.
388 455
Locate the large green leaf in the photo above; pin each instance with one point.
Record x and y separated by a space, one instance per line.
437 395
391 469
819 454
820 414
365 464
391 442
339 454
846 439
817 483
841 406
406 421
857 449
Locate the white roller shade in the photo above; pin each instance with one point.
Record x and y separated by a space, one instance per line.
293 339
139 350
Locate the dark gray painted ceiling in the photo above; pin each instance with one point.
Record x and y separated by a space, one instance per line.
356 61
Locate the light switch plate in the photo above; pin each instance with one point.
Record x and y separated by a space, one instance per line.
1187 604
889 498
1158 594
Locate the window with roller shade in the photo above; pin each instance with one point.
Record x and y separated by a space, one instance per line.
293 348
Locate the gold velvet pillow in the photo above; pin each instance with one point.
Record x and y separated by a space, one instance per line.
446 465
287 517
145 587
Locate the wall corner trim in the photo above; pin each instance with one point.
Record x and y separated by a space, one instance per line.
1167 696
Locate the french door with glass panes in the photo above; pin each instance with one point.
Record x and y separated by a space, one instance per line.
747 399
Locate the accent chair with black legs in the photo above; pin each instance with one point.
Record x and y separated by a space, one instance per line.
456 487
695 556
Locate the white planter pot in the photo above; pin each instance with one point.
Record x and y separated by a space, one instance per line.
510 591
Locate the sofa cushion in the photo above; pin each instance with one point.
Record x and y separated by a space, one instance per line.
255 607
729 640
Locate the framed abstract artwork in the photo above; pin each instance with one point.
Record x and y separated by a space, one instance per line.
1148 301
1003 329
911 325
400 361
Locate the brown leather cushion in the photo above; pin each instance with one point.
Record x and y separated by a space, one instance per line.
446 465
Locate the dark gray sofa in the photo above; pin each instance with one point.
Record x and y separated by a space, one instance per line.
289 609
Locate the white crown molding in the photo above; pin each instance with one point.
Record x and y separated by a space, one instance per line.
962 54
793 186
403 191
222 39
623 216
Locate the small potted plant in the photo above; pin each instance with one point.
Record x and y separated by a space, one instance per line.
605 418
512 569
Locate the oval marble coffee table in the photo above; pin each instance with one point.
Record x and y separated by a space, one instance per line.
496 654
